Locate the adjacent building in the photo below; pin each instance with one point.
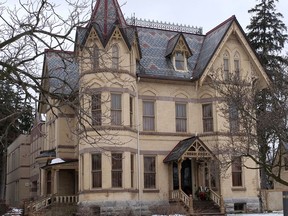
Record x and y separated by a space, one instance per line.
18 177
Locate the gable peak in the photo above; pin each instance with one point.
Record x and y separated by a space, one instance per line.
106 14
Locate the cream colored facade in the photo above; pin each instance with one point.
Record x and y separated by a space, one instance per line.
115 152
18 183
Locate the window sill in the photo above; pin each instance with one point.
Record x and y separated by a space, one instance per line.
238 189
151 191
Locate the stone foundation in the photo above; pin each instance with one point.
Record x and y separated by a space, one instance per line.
251 205
119 208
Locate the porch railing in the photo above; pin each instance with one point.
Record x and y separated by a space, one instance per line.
215 197
65 199
49 200
218 200
179 195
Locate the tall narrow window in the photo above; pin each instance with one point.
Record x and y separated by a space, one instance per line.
116 170
132 169
131 110
148 116
115 57
116 109
236 172
95 57
237 68
149 172
233 118
207 115
179 61
226 66
181 117
96 171
96 109
237 65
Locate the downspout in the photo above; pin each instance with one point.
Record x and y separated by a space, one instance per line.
138 145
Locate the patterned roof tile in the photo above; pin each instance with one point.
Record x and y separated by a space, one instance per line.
62 71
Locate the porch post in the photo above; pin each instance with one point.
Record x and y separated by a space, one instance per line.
222 205
57 181
179 173
43 183
191 209
222 208
209 172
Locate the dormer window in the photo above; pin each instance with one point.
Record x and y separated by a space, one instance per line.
180 61
178 51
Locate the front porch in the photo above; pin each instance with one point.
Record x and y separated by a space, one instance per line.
195 180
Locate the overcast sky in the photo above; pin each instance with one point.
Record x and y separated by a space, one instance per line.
200 13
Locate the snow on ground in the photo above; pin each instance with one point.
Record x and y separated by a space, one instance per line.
259 214
14 212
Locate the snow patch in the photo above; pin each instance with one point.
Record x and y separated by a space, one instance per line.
56 161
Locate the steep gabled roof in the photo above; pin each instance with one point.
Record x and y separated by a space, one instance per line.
184 145
172 43
105 17
210 44
106 14
154 63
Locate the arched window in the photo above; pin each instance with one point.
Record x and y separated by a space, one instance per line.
115 57
226 65
95 57
237 64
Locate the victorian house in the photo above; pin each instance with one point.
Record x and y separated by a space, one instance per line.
132 121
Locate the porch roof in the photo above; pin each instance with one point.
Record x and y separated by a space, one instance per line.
185 145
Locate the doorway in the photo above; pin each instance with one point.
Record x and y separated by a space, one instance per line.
186 177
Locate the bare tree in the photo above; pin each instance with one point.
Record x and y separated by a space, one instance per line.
34 30
28 29
238 104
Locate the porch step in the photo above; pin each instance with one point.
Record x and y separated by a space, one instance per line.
205 207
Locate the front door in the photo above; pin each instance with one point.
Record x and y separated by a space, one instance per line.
186 177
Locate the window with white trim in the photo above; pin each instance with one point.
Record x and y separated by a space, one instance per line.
116 109
149 172
148 116
180 63
237 172
96 170
207 117
116 170
181 117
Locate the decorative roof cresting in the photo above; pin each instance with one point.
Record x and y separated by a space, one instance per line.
164 25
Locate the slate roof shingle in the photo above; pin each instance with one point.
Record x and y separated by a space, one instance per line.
62 71
154 45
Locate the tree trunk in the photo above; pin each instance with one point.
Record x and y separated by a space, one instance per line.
3 169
